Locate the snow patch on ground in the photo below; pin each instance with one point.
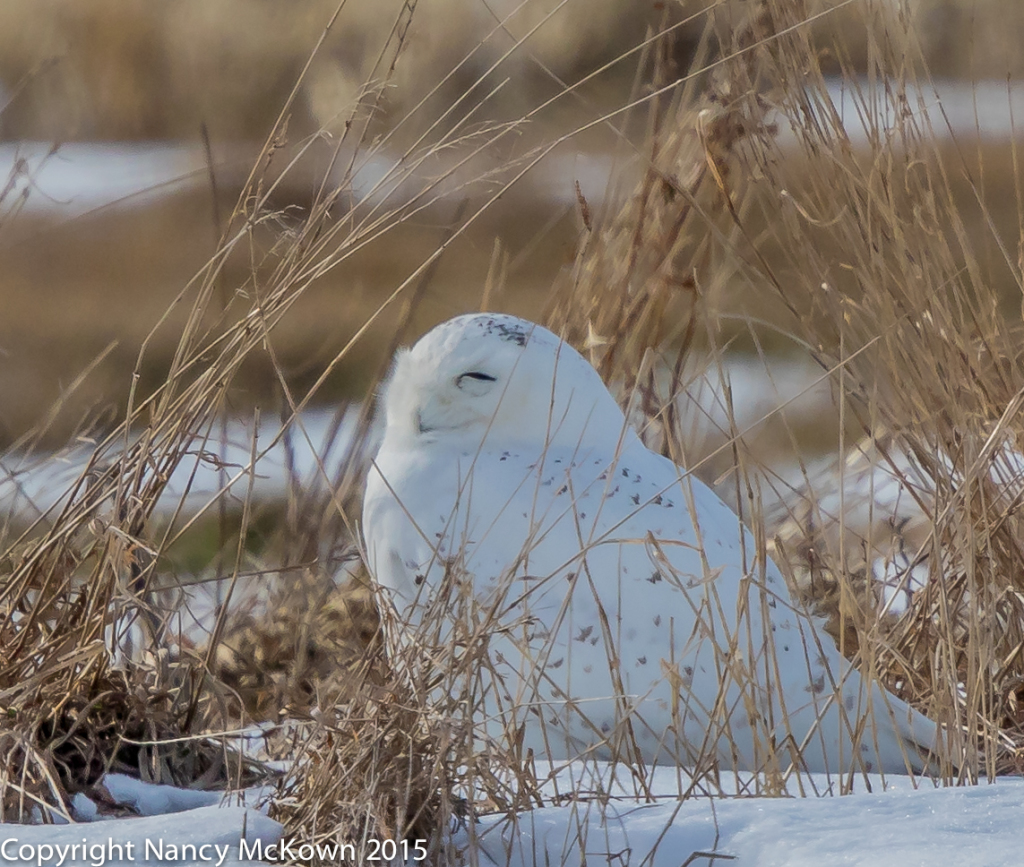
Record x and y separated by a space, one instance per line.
151 800
203 836
910 823
897 828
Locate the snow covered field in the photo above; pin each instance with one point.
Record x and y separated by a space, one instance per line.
80 177
900 827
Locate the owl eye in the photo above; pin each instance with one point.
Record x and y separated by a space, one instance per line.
475 383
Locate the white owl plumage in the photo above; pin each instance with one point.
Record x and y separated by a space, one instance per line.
630 606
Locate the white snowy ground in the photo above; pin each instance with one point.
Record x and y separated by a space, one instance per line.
978 826
80 177
173 826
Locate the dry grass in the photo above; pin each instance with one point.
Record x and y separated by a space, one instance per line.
394 748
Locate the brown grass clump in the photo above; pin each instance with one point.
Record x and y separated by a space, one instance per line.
644 281
404 754
307 650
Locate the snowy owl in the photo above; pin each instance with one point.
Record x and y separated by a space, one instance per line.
629 613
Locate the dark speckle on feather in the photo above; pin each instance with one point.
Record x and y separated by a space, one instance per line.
509 333
816 686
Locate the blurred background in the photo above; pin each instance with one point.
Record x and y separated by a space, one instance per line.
128 129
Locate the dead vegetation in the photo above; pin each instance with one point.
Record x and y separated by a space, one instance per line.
898 314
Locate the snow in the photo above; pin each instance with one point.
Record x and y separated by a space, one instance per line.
82 176
898 828
954 109
898 822
75 178
215 833
309 449
154 800
902 826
